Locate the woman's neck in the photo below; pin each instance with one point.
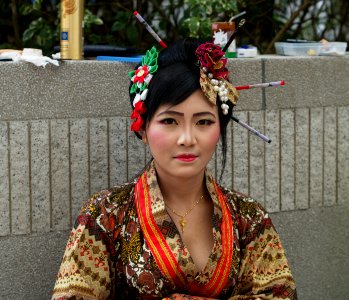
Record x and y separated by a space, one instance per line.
181 192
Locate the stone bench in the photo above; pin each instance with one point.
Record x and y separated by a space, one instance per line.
64 134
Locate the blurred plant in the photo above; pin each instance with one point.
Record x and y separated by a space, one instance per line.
116 27
199 15
260 26
314 20
35 23
269 21
38 24
7 33
165 17
89 20
43 31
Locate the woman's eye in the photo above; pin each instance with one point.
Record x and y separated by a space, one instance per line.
168 121
205 122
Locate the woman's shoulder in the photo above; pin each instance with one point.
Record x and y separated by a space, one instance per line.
108 200
249 215
243 205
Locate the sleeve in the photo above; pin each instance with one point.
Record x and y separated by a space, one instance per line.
264 270
87 271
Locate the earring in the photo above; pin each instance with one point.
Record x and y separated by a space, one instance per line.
144 139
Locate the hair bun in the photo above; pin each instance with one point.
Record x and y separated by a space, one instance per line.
181 51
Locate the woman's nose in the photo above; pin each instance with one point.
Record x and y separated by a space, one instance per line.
187 136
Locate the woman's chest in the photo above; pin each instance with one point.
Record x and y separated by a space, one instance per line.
139 271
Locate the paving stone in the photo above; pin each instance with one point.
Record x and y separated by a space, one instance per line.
287 159
99 151
118 150
302 158
5 222
40 175
330 156
343 155
240 155
316 157
257 159
79 164
272 161
60 175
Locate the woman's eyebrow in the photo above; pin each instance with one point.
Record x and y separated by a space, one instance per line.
204 113
172 112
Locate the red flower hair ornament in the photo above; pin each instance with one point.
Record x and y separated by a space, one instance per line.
136 115
214 75
213 80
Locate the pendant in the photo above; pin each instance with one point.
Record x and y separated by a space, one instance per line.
182 222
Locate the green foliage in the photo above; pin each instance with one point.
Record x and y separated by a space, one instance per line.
42 29
89 20
200 14
42 25
39 35
123 26
35 23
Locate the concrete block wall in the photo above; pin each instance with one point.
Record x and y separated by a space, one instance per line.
64 134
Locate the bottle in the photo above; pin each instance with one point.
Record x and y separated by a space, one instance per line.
71 39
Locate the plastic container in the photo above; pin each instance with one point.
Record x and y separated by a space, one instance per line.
311 49
333 48
298 49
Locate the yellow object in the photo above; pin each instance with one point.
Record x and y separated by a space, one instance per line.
71 40
312 52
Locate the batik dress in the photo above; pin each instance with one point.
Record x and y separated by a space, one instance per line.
124 245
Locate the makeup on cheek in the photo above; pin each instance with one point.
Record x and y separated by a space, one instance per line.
158 135
215 139
214 135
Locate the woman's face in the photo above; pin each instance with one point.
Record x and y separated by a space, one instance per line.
182 138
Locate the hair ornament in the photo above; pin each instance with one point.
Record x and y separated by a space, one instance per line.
141 78
214 76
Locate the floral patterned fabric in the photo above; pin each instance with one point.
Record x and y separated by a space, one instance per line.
107 256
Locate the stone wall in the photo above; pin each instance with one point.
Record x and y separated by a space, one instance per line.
64 134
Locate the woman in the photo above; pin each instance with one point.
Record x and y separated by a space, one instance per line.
174 233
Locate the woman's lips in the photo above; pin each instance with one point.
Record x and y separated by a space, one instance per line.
186 157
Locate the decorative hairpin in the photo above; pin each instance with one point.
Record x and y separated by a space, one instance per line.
214 78
141 79
150 30
214 75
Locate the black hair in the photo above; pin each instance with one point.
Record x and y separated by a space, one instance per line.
177 77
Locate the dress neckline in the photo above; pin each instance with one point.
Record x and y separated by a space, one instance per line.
172 235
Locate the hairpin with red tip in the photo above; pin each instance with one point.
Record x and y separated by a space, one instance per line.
251 86
150 30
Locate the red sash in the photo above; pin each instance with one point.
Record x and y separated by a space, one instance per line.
163 254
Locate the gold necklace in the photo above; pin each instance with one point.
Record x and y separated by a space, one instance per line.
182 221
